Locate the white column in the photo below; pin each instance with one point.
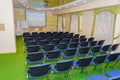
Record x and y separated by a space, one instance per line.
7 37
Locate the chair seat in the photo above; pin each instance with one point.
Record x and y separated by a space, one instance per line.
113 73
97 77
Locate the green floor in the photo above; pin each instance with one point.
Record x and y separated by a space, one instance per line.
13 67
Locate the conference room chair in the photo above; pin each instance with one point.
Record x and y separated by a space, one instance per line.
100 42
48 47
69 53
105 48
91 39
82 36
76 36
83 63
28 39
112 58
34 33
27 34
74 40
70 35
108 77
98 60
73 45
63 67
39 71
33 48
52 55
55 41
38 39
65 40
43 43
62 46
92 43
31 43
35 57
82 40
114 47
83 51
84 44
94 50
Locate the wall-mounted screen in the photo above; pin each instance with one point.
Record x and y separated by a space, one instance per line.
35 18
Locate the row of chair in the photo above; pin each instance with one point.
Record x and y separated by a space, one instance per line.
65 66
68 53
41 34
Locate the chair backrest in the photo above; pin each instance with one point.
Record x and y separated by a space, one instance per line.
91 39
64 65
26 34
53 54
106 47
95 49
84 44
70 52
76 36
28 39
73 45
36 56
38 39
74 40
34 48
43 42
101 42
84 62
99 59
83 39
62 46
114 47
65 40
31 43
93 43
84 50
39 70
49 47
55 41
82 36
112 57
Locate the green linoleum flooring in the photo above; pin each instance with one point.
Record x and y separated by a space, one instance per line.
13 67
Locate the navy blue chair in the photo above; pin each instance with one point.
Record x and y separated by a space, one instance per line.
48 47
84 44
65 40
34 57
114 47
76 36
69 53
31 43
63 66
52 55
74 40
92 43
83 63
112 75
98 60
33 48
82 40
111 58
105 48
55 41
95 49
83 51
43 43
34 33
91 39
27 34
39 71
29 39
73 45
62 46
82 36
100 42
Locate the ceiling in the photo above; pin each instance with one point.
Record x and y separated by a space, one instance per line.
44 5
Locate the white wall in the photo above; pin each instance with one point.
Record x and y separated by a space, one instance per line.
7 37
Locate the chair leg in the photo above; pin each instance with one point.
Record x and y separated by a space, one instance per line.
107 65
82 70
94 67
